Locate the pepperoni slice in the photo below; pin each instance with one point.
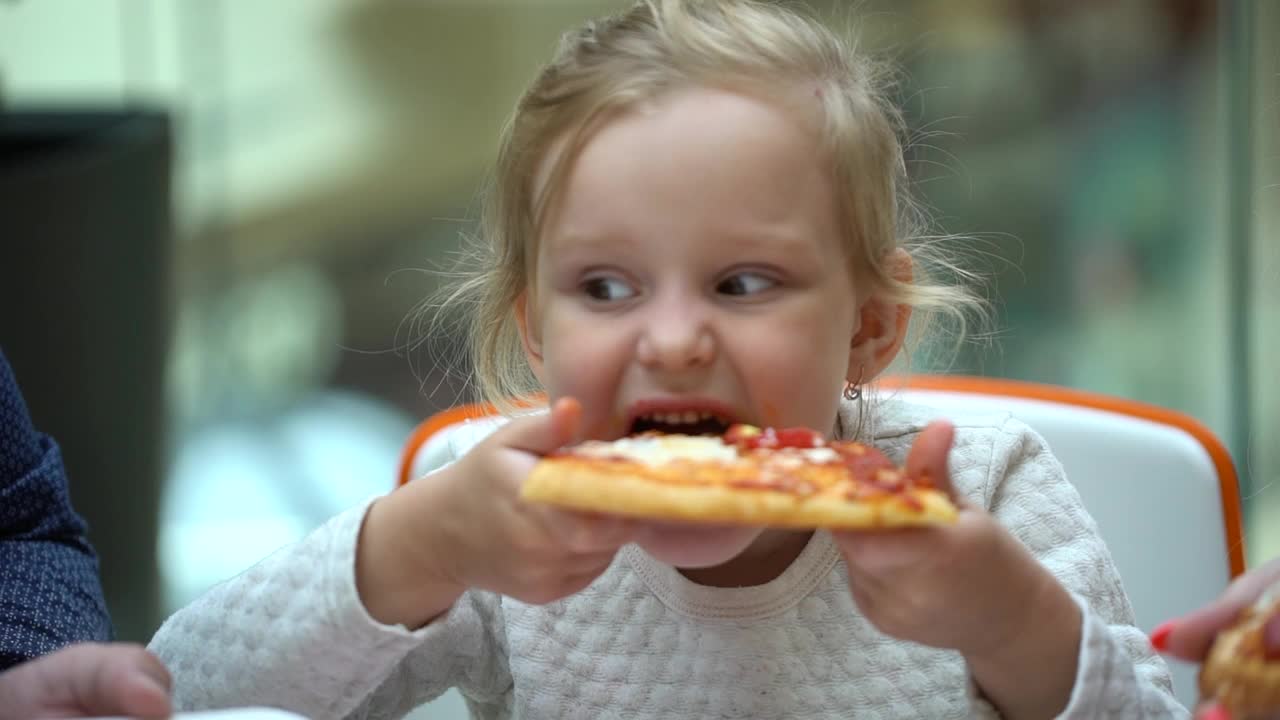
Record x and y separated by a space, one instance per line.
750 437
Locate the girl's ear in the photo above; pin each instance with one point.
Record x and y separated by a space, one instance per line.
530 334
882 327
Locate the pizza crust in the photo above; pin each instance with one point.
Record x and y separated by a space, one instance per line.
621 488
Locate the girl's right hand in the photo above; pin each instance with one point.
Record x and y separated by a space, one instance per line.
466 527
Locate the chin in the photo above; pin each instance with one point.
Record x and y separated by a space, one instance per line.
695 546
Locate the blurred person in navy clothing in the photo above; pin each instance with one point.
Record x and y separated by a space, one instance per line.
51 595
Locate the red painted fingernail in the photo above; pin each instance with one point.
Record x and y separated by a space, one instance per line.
1160 636
1214 712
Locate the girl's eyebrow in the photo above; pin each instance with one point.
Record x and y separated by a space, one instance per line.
577 239
764 238
789 243
573 245
771 238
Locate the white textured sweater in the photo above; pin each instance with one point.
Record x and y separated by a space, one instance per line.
643 641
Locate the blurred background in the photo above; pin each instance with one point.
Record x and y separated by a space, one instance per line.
218 217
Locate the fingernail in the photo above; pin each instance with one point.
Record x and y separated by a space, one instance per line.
1160 636
1214 712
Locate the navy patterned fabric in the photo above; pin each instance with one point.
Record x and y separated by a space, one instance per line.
50 594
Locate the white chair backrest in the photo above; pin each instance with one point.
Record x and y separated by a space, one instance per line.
1169 517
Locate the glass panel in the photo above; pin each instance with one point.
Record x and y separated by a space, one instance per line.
1261 437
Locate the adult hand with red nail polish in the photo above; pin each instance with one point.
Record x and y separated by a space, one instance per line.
87 680
1192 636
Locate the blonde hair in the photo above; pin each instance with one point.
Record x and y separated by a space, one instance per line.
614 63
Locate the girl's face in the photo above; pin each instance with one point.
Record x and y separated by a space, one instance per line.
693 274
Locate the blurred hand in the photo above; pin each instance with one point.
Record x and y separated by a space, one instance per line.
87 680
1190 636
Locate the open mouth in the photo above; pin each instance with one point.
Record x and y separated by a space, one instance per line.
681 422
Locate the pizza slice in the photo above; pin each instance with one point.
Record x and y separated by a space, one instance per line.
1240 674
753 476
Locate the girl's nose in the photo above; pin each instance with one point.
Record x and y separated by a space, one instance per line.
676 339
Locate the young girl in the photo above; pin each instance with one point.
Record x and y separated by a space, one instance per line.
697 210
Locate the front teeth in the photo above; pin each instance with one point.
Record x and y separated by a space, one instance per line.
688 417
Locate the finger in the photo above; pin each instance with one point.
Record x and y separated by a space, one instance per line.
928 456
885 551
1190 636
1212 711
867 584
591 563
864 592
589 532
143 695
540 434
577 583
92 679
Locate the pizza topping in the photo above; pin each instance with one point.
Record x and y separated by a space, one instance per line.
750 437
912 502
819 455
864 462
888 479
860 492
739 434
657 449
788 478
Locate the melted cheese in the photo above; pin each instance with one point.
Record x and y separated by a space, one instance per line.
820 455
660 449
657 450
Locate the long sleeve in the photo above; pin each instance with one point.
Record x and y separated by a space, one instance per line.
1118 675
292 633
50 594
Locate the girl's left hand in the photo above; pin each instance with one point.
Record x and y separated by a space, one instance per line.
970 586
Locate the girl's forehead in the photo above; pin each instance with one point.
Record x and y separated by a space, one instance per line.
715 150
688 115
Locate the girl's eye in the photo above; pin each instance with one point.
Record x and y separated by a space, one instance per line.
607 289
744 283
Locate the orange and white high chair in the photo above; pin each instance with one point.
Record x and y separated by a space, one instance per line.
1160 485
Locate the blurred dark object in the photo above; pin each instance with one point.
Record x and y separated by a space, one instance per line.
84 320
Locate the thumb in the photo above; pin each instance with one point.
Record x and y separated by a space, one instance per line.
87 680
928 456
540 434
